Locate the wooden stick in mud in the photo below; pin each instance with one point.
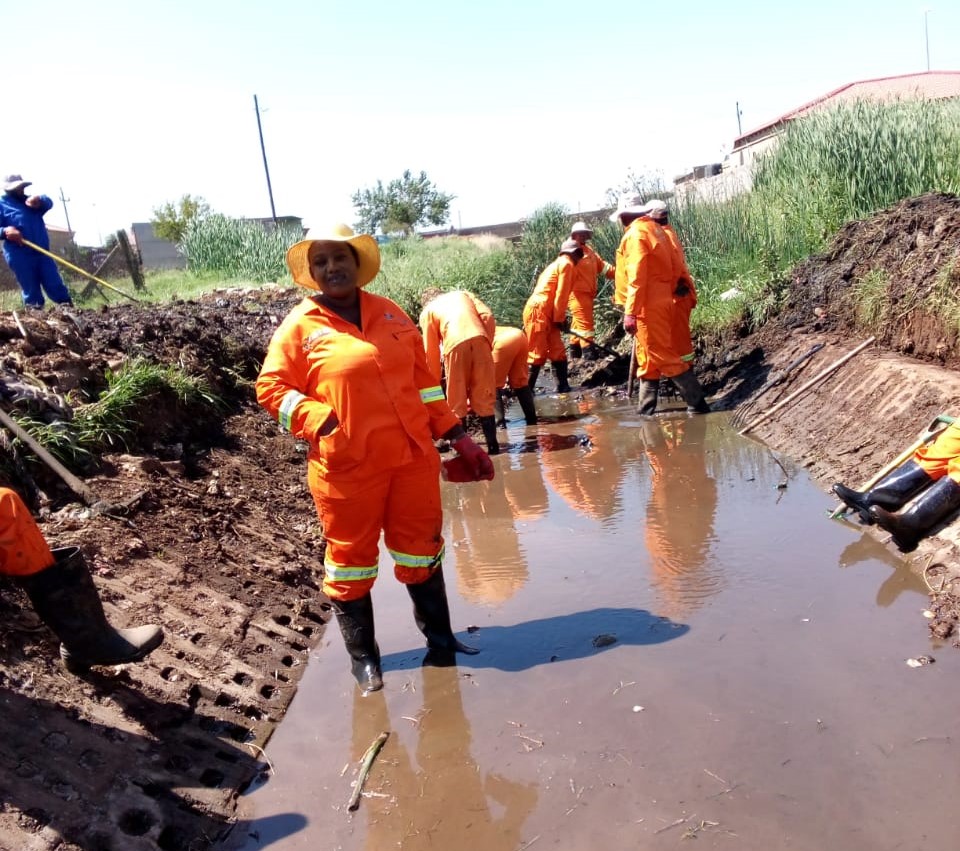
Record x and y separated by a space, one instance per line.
78 487
365 766
632 367
801 390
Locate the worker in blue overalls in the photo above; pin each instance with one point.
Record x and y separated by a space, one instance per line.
21 217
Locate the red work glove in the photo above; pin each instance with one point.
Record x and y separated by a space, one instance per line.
630 324
457 470
477 461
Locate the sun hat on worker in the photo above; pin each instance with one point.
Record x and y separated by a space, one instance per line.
581 227
368 254
628 204
570 246
13 182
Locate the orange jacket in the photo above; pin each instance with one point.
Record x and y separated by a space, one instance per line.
588 269
451 319
552 291
645 265
23 549
389 405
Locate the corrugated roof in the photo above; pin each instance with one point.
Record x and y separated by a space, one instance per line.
929 85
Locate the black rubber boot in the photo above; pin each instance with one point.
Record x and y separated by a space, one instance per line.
647 403
892 491
573 351
355 618
501 408
534 375
67 601
432 614
590 352
692 392
489 426
561 371
525 398
938 501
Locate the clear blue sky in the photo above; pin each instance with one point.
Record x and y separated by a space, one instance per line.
507 105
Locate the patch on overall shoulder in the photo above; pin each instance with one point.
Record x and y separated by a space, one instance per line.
311 341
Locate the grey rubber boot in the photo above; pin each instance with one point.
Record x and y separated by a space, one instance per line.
525 398
891 492
66 599
355 618
692 392
938 501
431 611
489 426
647 401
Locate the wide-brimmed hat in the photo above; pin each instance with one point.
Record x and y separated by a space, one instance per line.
368 254
629 204
13 182
570 246
581 227
655 206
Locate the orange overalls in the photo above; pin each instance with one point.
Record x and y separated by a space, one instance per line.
942 457
510 352
23 549
584 292
458 328
683 304
646 277
378 468
546 309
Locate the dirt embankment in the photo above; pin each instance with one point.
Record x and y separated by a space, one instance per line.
211 532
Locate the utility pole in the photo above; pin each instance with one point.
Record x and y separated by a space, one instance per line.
65 213
263 150
739 113
926 33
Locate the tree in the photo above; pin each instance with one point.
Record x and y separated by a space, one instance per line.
401 205
170 220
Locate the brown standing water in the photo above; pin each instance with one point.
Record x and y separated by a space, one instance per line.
676 644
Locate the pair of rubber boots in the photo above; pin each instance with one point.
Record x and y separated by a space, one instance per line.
588 352
561 371
66 599
432 615
936 501
686 383
525 398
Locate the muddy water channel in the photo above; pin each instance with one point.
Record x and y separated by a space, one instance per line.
676 644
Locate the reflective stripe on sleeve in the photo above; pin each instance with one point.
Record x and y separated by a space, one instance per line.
287 407
688 358
342 573
407 560
431 394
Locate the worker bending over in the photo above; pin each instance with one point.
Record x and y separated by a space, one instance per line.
510 353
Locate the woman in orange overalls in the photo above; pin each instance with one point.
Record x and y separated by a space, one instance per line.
346 371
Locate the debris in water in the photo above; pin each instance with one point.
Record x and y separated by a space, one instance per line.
920 661
604 640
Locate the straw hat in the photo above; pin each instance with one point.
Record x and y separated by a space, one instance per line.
629 204
581 227
368 254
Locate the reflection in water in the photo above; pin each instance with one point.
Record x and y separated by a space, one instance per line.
680 512
491 565
587 479
443 801
868 548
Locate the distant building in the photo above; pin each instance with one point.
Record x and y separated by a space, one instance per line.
510 231
723 180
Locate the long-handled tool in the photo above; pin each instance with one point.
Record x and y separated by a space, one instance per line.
593 342
937 425
631 377
77 269
801 390
78 487
775 381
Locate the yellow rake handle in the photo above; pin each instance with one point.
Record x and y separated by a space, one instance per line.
77 269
